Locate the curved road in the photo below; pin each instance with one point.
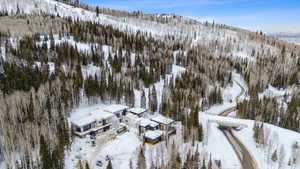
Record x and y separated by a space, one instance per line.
246 159
226 112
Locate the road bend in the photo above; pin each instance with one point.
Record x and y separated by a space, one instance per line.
246 159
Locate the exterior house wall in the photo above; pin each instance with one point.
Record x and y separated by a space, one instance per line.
97 127
163 127
152 141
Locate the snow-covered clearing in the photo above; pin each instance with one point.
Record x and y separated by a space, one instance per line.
90 70
275 92
83 47
51 66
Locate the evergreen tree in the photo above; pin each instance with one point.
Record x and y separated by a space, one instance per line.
97 10
46 162
141 163
109 165
200 132
153 100
30 109
143 99
274 156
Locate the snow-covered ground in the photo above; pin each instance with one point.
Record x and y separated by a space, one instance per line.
275 92
229 95
216 144
289 37
275 138
64 10
83 47
2 53
123 149
51 66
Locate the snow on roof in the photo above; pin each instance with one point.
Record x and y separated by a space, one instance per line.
153 134
91 117
162 120
115 108
136 110
146 122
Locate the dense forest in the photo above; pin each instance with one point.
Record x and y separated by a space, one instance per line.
45 75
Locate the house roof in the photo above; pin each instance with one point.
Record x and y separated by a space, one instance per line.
153 134
146 122
137 111
91 117
115 108
162 120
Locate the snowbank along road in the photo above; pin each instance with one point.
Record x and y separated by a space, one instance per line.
246 159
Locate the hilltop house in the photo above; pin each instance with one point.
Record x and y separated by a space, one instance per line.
96 122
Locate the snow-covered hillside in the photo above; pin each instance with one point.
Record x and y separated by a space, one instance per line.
194 33
276 139
238 54
57 8
289 37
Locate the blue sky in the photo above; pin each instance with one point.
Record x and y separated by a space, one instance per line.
266 15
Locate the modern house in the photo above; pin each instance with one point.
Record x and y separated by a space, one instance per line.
165 124
153 137
146 125
95 122
118 110
140 112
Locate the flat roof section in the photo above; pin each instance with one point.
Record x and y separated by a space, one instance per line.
162 120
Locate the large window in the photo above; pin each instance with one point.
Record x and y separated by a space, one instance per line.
87 127
106 128
78 129
104 122
124 113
